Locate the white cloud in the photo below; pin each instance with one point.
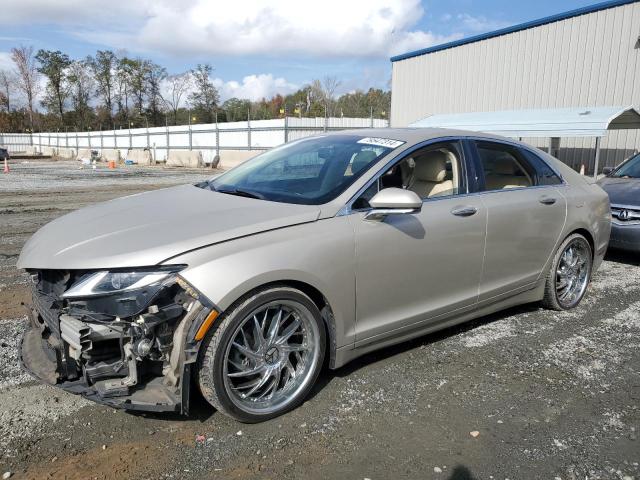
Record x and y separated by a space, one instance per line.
254 87
335 28
478 24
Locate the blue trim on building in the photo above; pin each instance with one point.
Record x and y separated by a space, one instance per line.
516 28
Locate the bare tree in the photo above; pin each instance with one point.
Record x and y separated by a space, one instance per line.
27 75
7 82
175 88
329 87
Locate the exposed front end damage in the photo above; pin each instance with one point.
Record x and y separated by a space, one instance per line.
132 350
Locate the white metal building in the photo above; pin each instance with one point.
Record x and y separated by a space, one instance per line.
588 57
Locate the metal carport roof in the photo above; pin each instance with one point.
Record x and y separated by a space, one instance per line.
553 122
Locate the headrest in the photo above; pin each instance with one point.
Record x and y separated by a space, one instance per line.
362 160
431 167
504 166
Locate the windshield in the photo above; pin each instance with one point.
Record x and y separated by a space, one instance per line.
311 171
629 169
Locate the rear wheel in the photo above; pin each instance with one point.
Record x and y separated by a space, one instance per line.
264 357
569 274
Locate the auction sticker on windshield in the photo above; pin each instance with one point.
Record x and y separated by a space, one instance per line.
381 142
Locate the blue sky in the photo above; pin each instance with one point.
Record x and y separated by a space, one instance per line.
260 48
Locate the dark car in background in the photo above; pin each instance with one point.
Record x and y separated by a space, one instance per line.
4 154
623 186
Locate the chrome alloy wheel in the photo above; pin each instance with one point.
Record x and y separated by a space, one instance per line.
572 272
271 357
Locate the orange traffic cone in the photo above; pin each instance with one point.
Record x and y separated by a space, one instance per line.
6 166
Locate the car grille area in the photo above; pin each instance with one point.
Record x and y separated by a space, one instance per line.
43 348
132 362
625 215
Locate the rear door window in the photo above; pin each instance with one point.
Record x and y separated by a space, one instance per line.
507 167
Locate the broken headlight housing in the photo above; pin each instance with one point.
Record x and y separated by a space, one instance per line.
120 293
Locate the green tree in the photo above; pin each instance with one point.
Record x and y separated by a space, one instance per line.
54 65
82 85
155 76
124 75
204 98
236 109
104 67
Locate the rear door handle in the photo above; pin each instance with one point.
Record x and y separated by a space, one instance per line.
464 211
547 200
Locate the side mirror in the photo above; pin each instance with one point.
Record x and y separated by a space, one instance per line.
393 201
607 170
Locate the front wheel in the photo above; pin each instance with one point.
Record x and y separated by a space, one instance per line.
264 357
569 274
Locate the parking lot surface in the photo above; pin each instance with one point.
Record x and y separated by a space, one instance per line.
526 393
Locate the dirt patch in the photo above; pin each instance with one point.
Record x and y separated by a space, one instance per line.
117 461
12 300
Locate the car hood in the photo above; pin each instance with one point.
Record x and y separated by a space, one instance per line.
149 228
622 191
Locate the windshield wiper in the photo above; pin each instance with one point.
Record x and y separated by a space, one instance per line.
241 193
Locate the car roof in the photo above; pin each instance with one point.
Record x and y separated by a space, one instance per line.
416 135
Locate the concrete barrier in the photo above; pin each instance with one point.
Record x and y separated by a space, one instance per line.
140 157
66 153
233 158
185 158
110 155
48 151
84 154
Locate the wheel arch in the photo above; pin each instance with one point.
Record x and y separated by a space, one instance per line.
586 234
316 296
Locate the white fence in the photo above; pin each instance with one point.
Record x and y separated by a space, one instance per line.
210 138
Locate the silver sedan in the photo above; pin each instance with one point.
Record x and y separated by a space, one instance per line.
311 254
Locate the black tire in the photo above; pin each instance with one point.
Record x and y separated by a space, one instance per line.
551 299
213 351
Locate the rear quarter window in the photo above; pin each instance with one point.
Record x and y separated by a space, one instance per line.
544 173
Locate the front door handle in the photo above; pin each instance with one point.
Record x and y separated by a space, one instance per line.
547 200
464 211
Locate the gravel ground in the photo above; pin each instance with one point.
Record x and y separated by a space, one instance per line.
525 393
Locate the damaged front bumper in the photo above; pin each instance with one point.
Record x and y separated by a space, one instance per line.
143 363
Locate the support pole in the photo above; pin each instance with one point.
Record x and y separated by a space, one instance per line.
166 126
190 138
217 136
249 129
325 119
286 125
597 158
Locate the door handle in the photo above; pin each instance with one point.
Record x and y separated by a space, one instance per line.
547 200
464 211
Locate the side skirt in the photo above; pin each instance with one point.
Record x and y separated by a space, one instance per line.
345 354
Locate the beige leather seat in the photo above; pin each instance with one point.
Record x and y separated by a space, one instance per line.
504 175
430 175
